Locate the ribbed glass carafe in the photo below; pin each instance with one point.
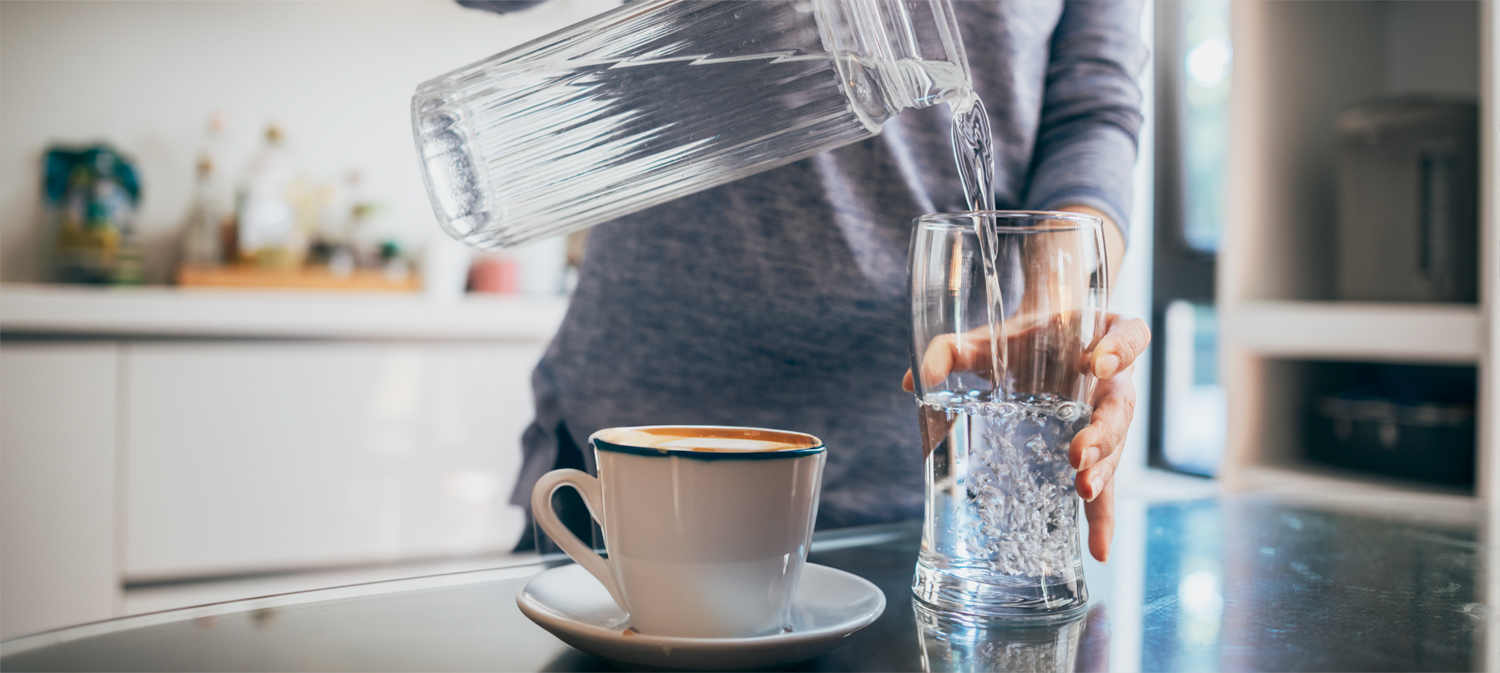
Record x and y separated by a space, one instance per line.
662 98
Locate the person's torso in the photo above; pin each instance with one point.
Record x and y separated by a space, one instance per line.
780 300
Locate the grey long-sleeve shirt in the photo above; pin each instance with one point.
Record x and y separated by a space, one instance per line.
780 300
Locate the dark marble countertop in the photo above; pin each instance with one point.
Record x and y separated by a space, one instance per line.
1244 582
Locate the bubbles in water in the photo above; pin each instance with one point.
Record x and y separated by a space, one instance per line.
454 181
1070 411
1018 511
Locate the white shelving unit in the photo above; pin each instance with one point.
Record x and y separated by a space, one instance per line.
1366 332
1297 65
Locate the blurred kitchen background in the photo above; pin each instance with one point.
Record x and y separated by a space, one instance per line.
237 356
201 418
171 84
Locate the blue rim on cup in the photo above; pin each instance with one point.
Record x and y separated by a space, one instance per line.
696 445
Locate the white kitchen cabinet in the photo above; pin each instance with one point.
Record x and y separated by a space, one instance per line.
158 434
250 456
57 485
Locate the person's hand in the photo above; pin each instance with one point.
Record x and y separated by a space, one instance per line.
1095 450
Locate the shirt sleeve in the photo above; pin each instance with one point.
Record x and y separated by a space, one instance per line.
1091 111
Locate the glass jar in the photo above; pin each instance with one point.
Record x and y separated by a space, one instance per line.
662 98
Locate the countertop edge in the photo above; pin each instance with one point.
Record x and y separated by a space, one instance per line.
159 311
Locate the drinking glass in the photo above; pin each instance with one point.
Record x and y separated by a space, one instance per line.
1006 308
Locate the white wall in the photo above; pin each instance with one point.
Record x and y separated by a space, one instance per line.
145 75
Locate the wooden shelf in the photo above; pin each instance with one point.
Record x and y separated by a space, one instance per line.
311 278
74 311
1327 330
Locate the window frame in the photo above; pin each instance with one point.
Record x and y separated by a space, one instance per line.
1179 271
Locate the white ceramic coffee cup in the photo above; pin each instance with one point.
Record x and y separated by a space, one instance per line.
706 529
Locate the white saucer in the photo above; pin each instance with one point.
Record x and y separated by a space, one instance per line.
828 606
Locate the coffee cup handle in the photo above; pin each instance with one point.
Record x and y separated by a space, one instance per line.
541 510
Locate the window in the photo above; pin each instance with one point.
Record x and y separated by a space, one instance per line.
1207 60
1194 62
1193 436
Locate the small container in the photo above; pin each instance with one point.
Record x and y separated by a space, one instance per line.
91 195
495 274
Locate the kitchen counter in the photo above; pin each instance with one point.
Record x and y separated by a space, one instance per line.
1244 582
149 312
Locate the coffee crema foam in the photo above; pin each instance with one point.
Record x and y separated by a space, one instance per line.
712 439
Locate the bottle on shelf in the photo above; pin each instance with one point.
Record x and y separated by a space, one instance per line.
336 240
273 207
202 238
204 233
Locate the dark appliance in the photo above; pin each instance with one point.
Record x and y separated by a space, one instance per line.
1411 422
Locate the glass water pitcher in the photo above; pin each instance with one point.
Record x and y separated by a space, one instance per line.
662 98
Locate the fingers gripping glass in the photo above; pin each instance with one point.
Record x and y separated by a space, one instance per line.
1006 309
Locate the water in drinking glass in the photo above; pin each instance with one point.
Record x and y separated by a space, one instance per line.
1001 507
